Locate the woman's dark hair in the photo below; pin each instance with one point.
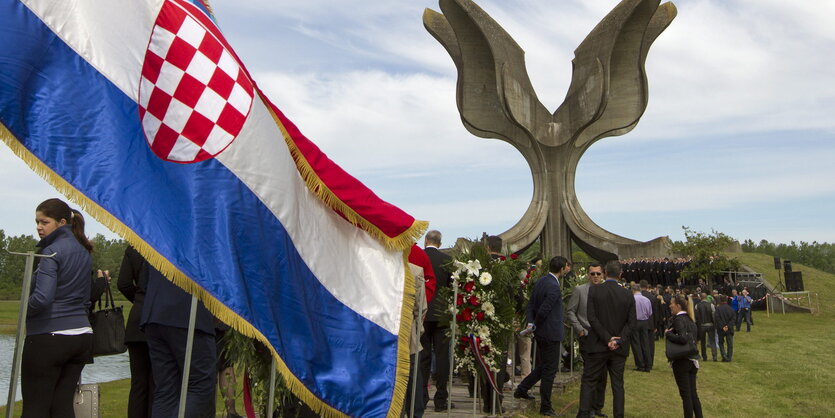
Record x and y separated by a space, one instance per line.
58 209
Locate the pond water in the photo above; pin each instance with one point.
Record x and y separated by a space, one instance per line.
105 369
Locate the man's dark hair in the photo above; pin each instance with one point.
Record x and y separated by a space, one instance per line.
494 243
433 237
723 299
595 264
613 269
557 263
644 285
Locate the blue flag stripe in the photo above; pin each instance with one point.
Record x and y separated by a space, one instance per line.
71 117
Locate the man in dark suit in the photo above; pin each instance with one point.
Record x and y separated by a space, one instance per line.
611 312
545 319
132 282
435 339
723 320
165 318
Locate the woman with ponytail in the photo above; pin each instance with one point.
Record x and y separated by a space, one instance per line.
59 338
681 331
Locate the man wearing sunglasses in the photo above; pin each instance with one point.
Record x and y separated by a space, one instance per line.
578 320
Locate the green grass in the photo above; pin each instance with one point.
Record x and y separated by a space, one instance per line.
814 280
8 316
781 368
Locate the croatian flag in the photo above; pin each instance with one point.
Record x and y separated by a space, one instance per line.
141 112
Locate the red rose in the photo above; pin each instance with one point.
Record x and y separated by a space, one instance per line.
465 339
460 300
485 349
467 314
502 258
469 287
528 276
479 316
514 256
474 301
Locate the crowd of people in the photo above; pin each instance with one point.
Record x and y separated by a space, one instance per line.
616 311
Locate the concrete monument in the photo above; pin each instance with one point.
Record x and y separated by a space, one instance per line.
607 96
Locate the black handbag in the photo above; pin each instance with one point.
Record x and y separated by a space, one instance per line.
108 325
677 351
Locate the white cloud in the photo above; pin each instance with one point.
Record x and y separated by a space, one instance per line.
368 84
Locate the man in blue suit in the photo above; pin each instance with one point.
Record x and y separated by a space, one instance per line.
545 320
165 316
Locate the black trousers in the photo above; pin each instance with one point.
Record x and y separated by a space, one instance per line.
167 350
640 345
420 403
141 396
545 371
435 341
726 339
685 373
706 335
51 369
598 364
598 392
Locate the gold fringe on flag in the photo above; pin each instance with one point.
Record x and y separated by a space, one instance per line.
218 309
318 187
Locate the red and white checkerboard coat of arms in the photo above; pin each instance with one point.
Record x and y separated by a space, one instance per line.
194 95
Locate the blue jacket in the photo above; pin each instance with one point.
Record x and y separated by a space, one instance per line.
60 297
545 309
166 304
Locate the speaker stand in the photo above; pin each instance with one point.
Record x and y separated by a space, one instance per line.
780 288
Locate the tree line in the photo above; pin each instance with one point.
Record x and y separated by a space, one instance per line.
815 254
107 255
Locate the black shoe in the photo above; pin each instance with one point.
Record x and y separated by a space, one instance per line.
523 395
597 413
548 413
565 370
442 407
724 360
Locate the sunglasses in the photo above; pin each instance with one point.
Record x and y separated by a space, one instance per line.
594 273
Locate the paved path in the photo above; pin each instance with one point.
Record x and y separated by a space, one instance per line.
513 407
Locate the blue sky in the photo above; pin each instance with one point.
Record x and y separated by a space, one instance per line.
738 136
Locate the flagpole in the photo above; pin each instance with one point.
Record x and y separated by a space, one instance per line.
187 365
452 341
413 378
20 336
271 399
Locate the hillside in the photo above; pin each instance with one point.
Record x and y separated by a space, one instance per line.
814 280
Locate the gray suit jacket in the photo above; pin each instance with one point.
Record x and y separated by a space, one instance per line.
577 309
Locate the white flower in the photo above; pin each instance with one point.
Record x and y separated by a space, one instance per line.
473 267
488 308
459 267
485 279
483 333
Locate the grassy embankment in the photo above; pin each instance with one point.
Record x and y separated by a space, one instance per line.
782 368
